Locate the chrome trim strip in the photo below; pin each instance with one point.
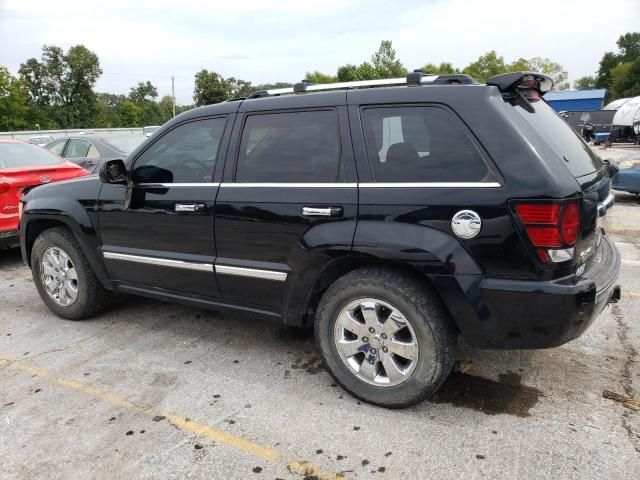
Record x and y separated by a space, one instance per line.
290 185
165 185
355 84
366 185
429 185
160 262
606 204
251 272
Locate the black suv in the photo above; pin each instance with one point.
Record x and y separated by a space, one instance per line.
392 215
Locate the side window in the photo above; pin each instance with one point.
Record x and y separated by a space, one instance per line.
77 149
421 144
186 154
290 147
93 152
57 147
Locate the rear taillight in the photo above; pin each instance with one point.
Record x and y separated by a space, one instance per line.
552 228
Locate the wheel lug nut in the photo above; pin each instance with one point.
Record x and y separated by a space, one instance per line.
384 335
373 350
372 330
365 339
385 349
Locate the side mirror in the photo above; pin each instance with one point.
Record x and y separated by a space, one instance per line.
114 171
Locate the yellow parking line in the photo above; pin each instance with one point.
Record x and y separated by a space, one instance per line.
630 294
250 447
619 228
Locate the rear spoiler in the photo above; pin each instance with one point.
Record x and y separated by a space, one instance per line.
518 81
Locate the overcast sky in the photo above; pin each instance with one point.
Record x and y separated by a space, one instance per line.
268 41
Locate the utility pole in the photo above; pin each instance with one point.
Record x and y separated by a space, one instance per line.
173 96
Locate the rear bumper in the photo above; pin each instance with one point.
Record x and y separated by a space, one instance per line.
516 314
9 239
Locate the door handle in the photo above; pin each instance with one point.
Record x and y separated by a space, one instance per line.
189 207
322 211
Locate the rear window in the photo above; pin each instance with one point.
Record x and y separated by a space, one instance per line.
124 144
564 140
16 155
421 144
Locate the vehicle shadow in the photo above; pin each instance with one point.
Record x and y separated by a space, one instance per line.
627 198
10 258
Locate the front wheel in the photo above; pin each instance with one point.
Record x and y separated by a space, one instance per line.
64 278
386 337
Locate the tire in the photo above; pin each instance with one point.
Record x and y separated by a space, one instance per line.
428 338
58 248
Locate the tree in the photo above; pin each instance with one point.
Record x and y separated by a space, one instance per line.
520 65
629 45
129 114
445 68
628 51
385 63
486 66
552 69
61 84
210 88
107 115
237 88
319 77
14 102
625 80
585 83
143 92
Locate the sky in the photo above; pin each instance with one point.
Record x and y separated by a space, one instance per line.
267 41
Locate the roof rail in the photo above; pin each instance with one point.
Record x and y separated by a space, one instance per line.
413 78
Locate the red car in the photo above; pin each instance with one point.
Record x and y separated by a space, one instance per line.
23 166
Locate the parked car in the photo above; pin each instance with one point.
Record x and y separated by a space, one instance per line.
87 151
23 166
148 131
391 219
41 140
627 179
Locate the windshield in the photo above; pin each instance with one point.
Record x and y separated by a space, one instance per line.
124 144
15 155
565 141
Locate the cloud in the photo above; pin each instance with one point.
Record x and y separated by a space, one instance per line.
266 41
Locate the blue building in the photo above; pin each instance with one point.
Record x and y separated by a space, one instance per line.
576 100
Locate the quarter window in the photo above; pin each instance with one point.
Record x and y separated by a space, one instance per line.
290 147
57 147
421 144
186 154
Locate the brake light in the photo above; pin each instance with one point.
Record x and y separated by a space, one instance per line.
552 228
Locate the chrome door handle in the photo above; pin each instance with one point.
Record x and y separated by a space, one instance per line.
189 207
322 212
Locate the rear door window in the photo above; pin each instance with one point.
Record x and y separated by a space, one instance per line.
290 147
564 140
421 144
77 149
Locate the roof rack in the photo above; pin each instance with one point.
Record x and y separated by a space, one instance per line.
414 78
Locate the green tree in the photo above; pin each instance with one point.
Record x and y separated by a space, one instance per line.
319 77
129 114
445 68
520 65
625 80
486 66
143 92
165 105
209 88
385 62
107 115
585 83
61 84
628 51
14 102
237 88
552 69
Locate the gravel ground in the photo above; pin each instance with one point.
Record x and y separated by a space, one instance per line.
153 390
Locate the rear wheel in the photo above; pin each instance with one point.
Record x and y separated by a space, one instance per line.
64 278
385 337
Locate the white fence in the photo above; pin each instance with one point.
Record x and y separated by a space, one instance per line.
24 135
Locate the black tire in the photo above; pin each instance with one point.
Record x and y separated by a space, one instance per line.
435 334
91 298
